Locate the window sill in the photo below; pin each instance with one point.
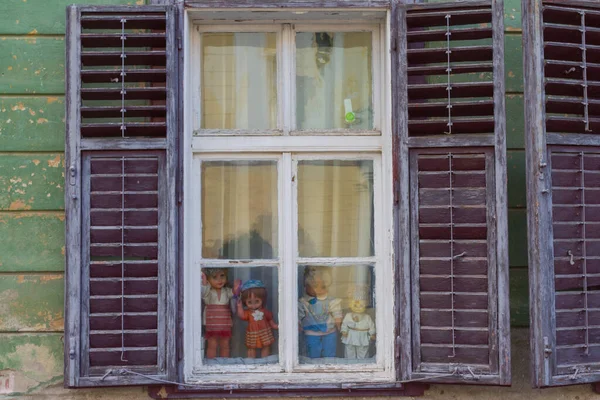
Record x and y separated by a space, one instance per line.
288 390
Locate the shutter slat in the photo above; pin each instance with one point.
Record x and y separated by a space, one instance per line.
458 69
432 35
148 21
428 19
149 93
91 40
132 75
459 90
148 129
458 54
131 111
104 58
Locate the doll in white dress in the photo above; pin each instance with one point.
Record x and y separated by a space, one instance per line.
358 328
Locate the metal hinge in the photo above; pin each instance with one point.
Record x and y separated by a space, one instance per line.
547 348
179 43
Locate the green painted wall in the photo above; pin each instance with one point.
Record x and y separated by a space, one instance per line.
31 187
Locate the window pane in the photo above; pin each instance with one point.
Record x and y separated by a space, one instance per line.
239 209
335 208
239 80
336 314
334 80
244 331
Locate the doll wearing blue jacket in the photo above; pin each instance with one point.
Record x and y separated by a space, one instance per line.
320 315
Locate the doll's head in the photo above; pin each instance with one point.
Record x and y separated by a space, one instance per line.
317 280
254 294
216 277
358 298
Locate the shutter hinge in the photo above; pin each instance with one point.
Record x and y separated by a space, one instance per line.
547 348
397 347
72 173
394 44
179 44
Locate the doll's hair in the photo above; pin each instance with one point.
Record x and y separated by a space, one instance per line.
259 292
213 271
314 273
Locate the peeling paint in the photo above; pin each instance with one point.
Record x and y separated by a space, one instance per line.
51 100
19 205
19 106
42 120
55 162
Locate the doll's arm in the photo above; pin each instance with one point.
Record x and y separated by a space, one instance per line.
371 328
269 316
344 328
336 312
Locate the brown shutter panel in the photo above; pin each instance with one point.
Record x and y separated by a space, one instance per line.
451 194
561 48
121 163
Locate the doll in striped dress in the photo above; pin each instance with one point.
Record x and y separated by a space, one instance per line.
217 311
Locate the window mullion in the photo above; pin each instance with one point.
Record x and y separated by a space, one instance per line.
288 335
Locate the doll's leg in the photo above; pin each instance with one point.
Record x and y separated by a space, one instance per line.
329 343
350 351
251 353
211 347
362 352
265 351
224 346
313 346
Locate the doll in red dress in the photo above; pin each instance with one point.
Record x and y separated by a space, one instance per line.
260 320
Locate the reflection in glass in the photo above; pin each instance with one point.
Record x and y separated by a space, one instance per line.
334 80
240 331
239 80
239 209
336 314
335 208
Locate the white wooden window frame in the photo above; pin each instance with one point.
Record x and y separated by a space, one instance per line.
287 146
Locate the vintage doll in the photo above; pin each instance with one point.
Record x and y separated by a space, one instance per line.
260 320
357 328
319 315
217 311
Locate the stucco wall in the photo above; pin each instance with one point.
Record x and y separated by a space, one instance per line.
32 216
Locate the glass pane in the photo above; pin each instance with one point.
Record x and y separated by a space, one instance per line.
335 208
239 209
334 80
240 315
336 314
239 80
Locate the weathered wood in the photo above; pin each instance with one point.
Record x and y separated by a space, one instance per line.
515 121
32 123
512 15
32 65
277 4
35 359
72 346
31 182
32 302
515 165
513 59
499 272
147 183
32 241
33 17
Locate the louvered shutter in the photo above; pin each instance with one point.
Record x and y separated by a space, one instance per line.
121 164
562 75
451 194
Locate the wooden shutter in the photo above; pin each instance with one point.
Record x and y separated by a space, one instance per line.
121 164
451 194
562 75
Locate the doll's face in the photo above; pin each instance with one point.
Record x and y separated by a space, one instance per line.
217 280
253 302
358 306
317 289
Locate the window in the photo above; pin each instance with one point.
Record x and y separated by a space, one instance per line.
286 191
339 170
